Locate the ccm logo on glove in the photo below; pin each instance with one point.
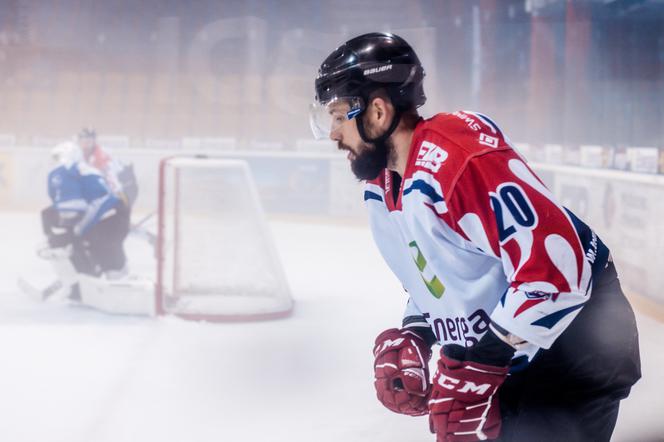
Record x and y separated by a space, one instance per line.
468 386
388 344
463 405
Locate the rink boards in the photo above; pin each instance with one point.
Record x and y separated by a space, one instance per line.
625 208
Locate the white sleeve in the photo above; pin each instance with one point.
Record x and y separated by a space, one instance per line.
413 317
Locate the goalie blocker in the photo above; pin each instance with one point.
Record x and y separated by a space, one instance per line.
98 250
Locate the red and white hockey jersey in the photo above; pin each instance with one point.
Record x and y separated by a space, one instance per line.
474 236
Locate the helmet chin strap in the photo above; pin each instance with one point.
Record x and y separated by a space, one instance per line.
381 138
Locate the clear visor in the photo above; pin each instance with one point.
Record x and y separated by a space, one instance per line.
325 118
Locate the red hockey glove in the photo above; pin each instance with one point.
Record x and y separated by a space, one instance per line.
463 406
402 372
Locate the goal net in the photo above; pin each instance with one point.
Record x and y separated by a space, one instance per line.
215 256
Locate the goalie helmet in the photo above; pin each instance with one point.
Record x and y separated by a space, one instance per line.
66 154
361 66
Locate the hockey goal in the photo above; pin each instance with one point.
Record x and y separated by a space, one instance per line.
216 260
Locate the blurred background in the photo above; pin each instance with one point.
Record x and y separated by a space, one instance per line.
573 83
578 86
155 73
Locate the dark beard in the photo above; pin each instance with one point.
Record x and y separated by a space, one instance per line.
372 161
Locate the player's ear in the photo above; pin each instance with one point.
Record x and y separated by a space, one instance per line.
378 110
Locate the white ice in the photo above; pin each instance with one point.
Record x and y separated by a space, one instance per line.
71 374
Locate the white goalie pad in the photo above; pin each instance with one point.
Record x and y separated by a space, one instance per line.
133 295
129 295
62 265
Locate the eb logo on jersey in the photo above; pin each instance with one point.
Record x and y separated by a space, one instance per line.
431 156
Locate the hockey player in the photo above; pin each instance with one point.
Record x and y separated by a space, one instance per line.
538 341
98 158
120 177
86 226
85 218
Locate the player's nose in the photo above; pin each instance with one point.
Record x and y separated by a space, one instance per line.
335 135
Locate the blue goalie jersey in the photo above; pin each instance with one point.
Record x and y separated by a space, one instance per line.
81 196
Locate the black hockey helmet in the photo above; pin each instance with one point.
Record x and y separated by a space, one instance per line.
87 140
87 132
361 66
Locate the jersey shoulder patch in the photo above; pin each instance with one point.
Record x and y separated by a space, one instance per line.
471 131
446 142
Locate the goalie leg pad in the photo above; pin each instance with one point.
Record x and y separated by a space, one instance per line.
60 261
128 296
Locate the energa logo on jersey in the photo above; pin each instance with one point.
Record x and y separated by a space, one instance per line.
436 288
431 156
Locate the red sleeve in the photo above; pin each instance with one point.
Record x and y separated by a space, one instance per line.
500 205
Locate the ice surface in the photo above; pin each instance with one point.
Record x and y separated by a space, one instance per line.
72 374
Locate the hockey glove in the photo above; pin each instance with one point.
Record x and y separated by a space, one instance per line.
61 239
464 402
402 372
